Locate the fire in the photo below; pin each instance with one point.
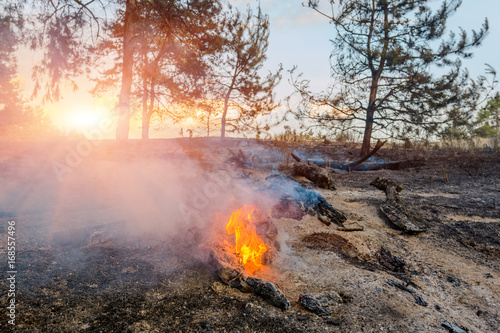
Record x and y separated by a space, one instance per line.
248 245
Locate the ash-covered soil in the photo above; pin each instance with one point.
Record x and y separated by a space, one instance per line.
116 239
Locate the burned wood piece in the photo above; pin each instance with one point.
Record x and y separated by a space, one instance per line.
228 268
288 209
420 300
260 287
454 328
320 304
269 292
391 262
295 157
316 174
393 208
233 278
266 229
350 166
293 193
349 228
325 212
400 286
232 272
310 303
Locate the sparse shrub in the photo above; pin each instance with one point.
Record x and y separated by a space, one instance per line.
444 169
284 145
344 136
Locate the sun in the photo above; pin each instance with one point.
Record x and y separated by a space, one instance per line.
83 119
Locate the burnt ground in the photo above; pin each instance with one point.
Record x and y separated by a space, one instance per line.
93 253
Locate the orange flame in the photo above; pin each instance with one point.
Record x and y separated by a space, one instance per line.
249 246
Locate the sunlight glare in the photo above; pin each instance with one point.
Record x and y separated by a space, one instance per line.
84 119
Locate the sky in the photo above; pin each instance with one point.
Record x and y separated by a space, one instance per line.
299 37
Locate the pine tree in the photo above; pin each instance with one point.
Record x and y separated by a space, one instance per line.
236 77
385 54
18 120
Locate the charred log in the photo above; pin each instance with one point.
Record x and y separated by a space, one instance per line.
356 165
393 208
236 278
228 268
309 201
266 229
394 165
269 292
288 209
316 174
233 278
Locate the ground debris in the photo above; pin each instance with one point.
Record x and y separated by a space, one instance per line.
453 280
393 208
269 292
454 328
320 304
389 261
316 174
310 201
400 286
420 300
351 228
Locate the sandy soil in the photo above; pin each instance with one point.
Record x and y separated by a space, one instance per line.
114 239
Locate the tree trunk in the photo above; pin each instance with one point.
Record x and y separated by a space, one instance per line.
145 123
208 125
365 148
224 114
370 112
146 118
145 126
122 130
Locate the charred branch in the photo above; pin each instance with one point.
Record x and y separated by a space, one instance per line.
354 228
269 292
308 201
232 273
350 166
393 208
356 166
316 174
